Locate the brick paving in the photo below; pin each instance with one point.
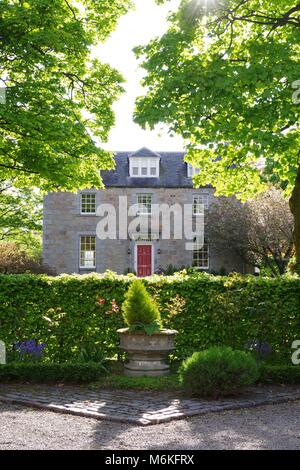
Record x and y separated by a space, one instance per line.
138 408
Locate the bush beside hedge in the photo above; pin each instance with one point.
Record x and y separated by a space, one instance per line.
217 372
51 373
207 311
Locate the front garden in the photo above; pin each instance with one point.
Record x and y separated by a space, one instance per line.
64 329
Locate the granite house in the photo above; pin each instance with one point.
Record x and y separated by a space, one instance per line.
145 178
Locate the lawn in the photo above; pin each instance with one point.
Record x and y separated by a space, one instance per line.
115 379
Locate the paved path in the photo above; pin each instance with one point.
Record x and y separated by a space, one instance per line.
266 427
136 407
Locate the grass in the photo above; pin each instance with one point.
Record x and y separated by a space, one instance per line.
117 380
121 382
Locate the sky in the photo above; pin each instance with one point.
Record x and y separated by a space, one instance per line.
136 28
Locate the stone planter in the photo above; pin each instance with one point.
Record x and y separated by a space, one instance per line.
147 354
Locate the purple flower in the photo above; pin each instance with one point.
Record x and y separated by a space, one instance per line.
30 347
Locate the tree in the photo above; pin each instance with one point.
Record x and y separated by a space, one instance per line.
58 99
21 218
20 211
259 231
224 78
15 260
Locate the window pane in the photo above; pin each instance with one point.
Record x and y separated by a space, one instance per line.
200 254
145 167
88 203
144 203
191 170
88 251
200 202
197 205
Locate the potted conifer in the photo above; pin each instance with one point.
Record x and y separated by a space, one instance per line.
144 339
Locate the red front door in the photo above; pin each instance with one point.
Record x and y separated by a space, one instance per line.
144 260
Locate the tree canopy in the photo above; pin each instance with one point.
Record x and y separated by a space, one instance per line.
58 98
259 231
225 76
20 212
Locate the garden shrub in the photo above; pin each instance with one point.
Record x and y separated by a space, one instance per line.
217 372
279 374
16 260
51 373
140 312
89 352
66 311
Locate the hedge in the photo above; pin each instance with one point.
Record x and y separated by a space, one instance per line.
280 374
91 372
51 373
207 310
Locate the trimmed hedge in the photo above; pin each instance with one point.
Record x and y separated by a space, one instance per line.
280 374
91 372
207 310
50 373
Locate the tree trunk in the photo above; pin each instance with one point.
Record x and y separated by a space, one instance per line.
295 209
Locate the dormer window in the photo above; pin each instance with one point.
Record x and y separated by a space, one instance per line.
144 167
191 170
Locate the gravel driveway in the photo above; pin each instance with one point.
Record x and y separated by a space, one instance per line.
267 427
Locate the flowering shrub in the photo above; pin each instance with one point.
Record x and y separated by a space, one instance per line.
114 306
30 349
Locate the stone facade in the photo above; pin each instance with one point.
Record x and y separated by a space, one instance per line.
64 224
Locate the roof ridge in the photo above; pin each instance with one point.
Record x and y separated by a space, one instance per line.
161 152
144 152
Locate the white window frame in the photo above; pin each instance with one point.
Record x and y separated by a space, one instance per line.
191 170
144 162
205 256
82 196
200 201
83 266
141 206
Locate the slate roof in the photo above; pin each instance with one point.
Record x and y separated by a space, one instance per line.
144 152
172 171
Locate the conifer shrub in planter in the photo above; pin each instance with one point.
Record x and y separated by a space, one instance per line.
144 339
217 372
